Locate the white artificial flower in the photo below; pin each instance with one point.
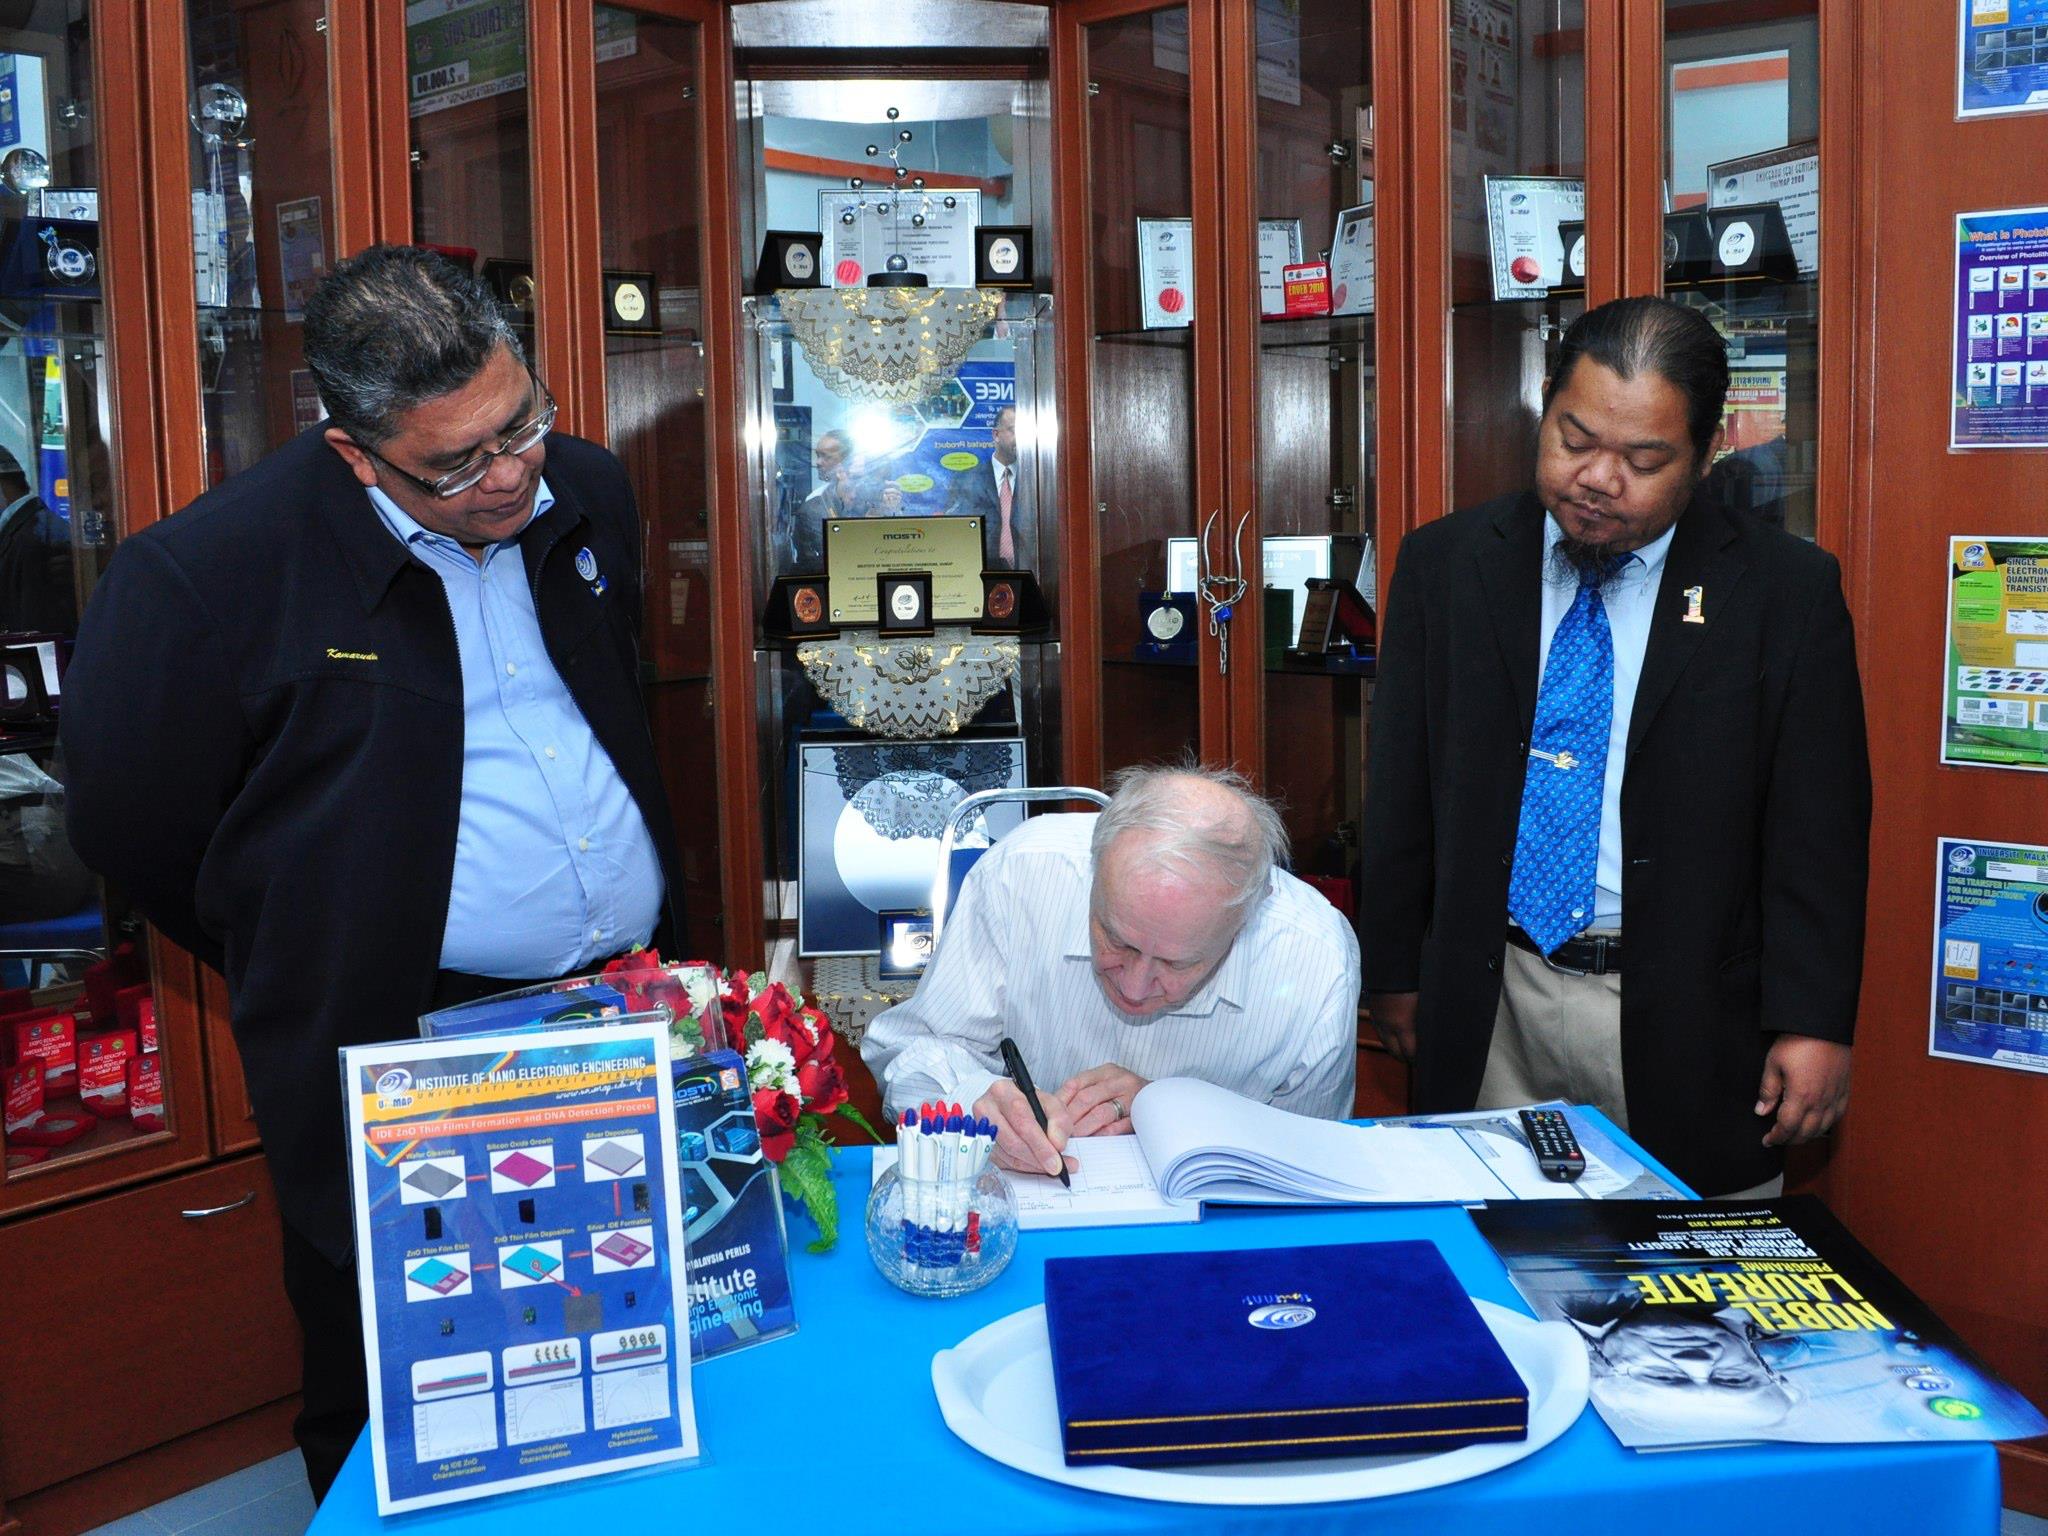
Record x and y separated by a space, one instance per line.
701 990
771 1064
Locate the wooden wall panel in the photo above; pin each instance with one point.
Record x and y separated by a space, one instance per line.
1937 1166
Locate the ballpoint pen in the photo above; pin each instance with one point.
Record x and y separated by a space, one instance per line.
1014 1064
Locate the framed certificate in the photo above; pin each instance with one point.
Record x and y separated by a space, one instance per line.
1166 273
1351 262
864 228
1279 246
1522 216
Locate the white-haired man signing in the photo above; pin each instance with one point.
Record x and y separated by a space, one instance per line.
1157 939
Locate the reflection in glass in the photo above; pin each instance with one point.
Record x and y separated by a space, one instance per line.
1142 388
57 527
1742 117
262 217
1316 414
1517 108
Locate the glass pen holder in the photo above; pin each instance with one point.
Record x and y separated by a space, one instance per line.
942 1237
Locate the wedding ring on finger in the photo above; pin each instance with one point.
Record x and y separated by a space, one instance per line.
1117 1105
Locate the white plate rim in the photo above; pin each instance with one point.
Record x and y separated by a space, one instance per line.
1555 1406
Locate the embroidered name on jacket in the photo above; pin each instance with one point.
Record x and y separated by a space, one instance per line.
334 655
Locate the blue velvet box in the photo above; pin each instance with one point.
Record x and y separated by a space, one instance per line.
1349 1349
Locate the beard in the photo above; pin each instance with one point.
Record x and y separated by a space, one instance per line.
1579 563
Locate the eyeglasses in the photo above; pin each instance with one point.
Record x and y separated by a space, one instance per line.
464 476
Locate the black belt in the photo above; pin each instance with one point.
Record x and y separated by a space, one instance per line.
1596 956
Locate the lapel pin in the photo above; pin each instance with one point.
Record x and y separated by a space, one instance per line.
1694 596
586 564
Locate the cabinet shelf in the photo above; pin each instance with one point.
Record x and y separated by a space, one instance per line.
1329 666
1311 331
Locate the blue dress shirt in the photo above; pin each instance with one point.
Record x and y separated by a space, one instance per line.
1629 600
554 866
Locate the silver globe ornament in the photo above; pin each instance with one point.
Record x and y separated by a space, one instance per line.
25 170
917 219
219 112
952 202
894 113
898 263
873 150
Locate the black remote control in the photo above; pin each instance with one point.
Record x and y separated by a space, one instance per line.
1556 1148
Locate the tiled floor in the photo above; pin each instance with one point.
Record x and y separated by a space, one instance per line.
271 1499
268 1499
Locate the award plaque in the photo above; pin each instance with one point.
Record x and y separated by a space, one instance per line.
1688 247
1352 270
1750 242
512 282
789 259
1279 248
1789 177
631 304
58 257
799 606
1002 602
1571 234
906 943
903 602
1166 626
859 549
1002 256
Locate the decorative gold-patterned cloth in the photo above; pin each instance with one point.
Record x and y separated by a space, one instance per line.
893 344
912 689
850 991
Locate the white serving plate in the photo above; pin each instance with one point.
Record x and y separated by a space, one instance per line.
996 1392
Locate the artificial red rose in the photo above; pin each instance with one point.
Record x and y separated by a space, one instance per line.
733 1003
822 1085
775 1114
632 974
776 1010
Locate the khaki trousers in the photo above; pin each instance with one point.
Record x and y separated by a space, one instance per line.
1558 1036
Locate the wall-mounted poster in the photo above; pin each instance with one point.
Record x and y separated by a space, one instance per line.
1991 954
872 815
1995 670
1999 374
2001 57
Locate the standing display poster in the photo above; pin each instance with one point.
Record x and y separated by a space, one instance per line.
301 253
1991 955
2000 338
519 1253
2001 57
1995 669
1789 177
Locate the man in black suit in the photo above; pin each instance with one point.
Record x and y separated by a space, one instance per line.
294 703
1686 791
990 491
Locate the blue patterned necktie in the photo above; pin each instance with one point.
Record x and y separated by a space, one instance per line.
1557 847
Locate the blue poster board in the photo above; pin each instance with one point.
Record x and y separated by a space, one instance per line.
1991 955
519 1252
2000 338
2002 57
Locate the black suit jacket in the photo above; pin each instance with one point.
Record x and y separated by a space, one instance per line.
973 494
264 728
1745 816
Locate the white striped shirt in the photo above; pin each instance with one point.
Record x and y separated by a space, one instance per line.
1278 1022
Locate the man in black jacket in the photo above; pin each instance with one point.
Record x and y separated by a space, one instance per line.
1687 790
362 729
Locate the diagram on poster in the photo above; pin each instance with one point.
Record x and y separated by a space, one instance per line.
519 1252
1999 341
1991 955
1995 671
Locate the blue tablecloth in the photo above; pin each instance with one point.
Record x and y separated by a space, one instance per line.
835 1430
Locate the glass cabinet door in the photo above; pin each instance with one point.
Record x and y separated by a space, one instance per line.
1517 95
1142 238
1741 138
262 217
650 111
472 145
1315 416
84 1071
